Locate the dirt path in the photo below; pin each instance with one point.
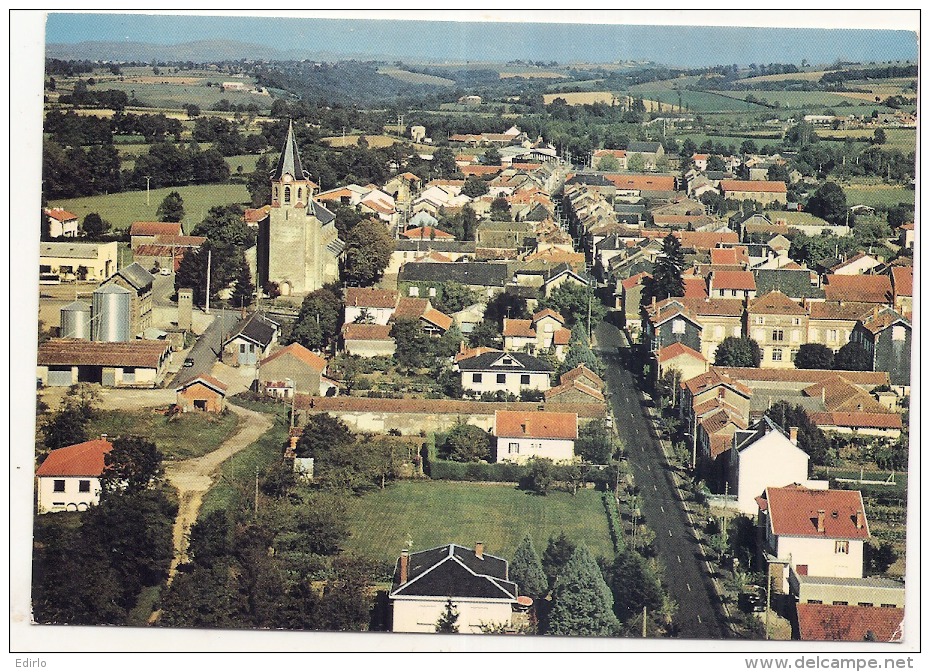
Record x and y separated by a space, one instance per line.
193 477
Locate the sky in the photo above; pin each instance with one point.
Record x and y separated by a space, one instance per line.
596 41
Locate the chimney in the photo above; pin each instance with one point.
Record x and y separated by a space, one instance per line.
793 435
821 514
479 550
404 565
103 437
860 519
653 301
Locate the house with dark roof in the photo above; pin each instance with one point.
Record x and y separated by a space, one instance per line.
484 277
250 340
812 533
886 336
797 284
507 372
650 152
476 582
522 435
69 478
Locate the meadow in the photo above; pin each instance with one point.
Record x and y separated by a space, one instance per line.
124 208
433 513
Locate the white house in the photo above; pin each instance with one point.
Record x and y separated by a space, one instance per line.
375 306
762 457
812 532
510 372
477 584
61 223
69 478
522 435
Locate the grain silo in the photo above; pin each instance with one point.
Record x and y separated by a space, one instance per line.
110 313
75 321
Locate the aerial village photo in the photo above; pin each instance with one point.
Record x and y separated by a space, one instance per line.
503 329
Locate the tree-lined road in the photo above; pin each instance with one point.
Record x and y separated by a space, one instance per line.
686 577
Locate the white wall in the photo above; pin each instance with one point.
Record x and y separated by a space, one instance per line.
488 383
771 462
379 315
371 348
421 614
69 500
821 557
557 450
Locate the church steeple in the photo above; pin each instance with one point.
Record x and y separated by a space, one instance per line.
290 184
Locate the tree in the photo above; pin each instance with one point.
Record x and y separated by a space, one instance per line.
95 226
171 208
259 182
527 572
318 321
829 203
492 157
579 351
608 163
500 210
811 438
225 223
449 620
635 163
852 357
444 162
666 277
634 585
878 137
474 187
738 351
466 443
573 301
595 443
539 475
900 214
368 250
486 333
582 602
813 356
716 163
134 464
244 290
192 110
414 347
556 556
65 428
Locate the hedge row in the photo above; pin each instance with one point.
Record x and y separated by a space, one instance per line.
447 470
613 521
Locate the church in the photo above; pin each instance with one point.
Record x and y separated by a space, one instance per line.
298 245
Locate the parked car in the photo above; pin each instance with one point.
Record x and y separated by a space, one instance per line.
189 362
164 271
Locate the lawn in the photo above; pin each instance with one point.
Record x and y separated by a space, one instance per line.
433 513
124 208
186 435
878 195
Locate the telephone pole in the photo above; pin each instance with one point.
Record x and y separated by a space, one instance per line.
148 181
209 262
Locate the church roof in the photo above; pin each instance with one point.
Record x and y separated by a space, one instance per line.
290 158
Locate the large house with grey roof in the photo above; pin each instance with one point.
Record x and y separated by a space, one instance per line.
476 582
508 372
298 245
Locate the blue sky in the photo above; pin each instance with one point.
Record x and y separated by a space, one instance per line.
563 42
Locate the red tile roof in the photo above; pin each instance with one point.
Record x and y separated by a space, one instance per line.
438 406
793 511
902 279
711 379
695 287
618 153
255 215
838 310
642 182
739 280
60 215
369 297
809 376
866 288
366 332
847 623
775 303
155 229
637 279
575 385
677 350
536 425
714 307
760 186
301 353
853 420
581 371
427 233
75 352
519 328
706 240
81 459
880 319
548 312
733 256
207 380
410 308
437 318
562 336
480 170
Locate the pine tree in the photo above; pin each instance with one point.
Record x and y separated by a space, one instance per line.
171 209
526 570
582 602
666 277
449 620
557 554
245 288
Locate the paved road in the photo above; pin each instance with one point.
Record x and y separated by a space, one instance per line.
686 577
206 350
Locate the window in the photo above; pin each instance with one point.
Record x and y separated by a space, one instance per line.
678 326
59 485
242 348
718 332
501 378
840 603
796 321
432 292
732 292
815 601
897 333
513 448
760 320
776 355
832 335
778 334
842 547
287 194
886 605
83 486
300 193
525 379
866 604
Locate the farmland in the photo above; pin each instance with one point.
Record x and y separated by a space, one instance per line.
702 101
433 513
415 77
877 194
582 97
351 140
122 209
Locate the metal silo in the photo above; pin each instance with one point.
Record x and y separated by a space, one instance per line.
111 310
75 321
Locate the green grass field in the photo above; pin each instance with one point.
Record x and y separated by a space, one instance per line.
878 195
247 161
186 435
122 209
433 513
701 101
